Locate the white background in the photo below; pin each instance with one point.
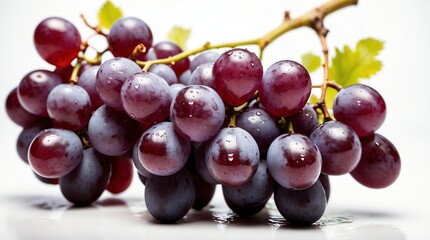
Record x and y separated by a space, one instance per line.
31 210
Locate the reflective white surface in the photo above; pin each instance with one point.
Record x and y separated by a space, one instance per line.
32 210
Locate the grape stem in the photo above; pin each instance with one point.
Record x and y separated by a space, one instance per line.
98 29
305 20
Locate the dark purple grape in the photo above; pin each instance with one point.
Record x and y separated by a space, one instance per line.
34 88
339 145
165 72
136 161
185 77
294 161
244 211
237 75
285 89
57 40
161 151
232 156
112 132
69 107
260 125
167 49
301 207
122 175
26 137
17 113
380 163
142 178
305 120
169 198
50 181
55 152
202 58
204 192
203 75
126 33
86 183
146 97
252 194
197 113
200 162
360 107
87 81
64 72
325 181
110 78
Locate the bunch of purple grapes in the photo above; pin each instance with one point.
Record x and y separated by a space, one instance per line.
190 125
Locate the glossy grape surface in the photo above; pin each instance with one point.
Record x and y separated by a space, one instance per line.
146 97
169 198
232 156
197 113
380 163
202 58
55 152
110 78
122 175
69 107
360 107
126 33
165 72
237 75
339 145
87 81
86 183
167 49
57 40
17 113
305 120
162 151
294 161
203 75
34 88
285 88
27 135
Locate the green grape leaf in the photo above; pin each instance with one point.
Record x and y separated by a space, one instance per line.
311 62
179 35
108 14
350 66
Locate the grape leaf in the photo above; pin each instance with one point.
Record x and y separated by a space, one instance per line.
108 14
179 35
311 61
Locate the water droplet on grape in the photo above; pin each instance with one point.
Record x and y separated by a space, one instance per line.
230 157
136 86
258 113
252 64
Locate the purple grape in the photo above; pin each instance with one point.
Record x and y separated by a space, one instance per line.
380 163
136 161
161 151
260 125
339 145
175 88
301 207
110 78
112 132
126 33
168 49
146 97
122 175
165 72
237 75
200 162
232 156
185 77
305 120
17 113
57 40
86 183
204 192
34 88
27 135
325 181
251 195
203 75
55 152
50 181
197 113
294 161
169 198
202 58
285 89
87 81
69 107
360 107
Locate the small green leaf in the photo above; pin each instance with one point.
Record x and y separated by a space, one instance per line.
350 66
179 35
311 61
108 14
